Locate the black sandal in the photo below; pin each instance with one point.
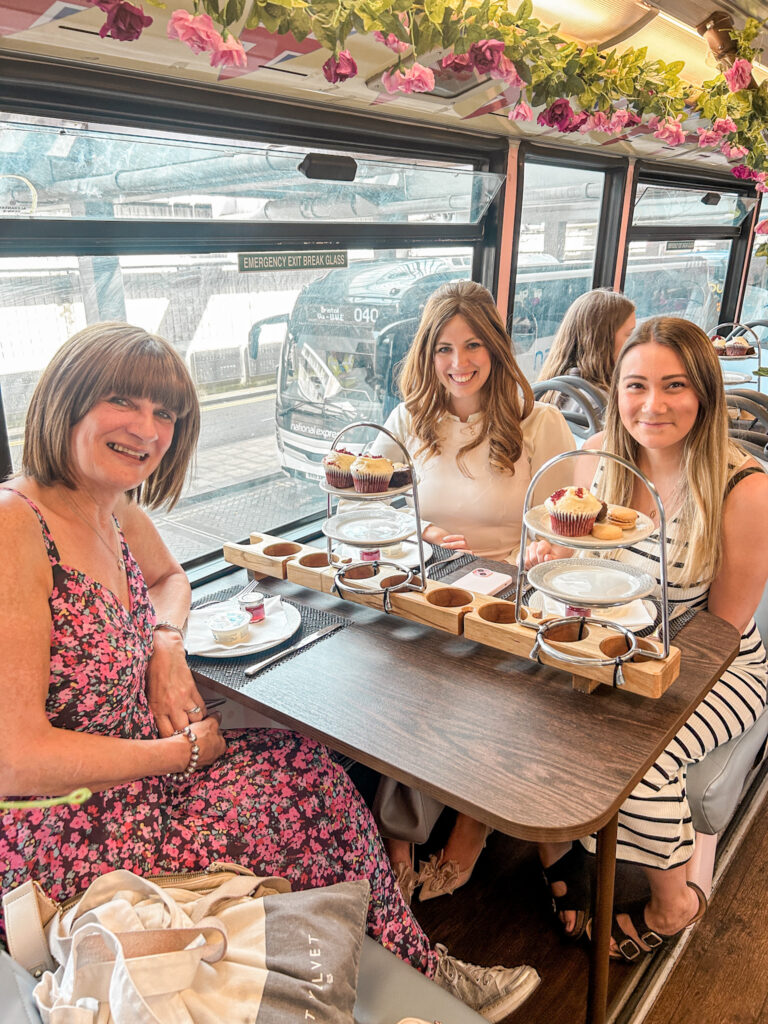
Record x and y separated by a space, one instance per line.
628 947
572 869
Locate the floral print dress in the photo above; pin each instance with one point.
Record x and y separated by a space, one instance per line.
275 802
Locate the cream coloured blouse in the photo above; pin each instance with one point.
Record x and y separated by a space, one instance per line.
486 506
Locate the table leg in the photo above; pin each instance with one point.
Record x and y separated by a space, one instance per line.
597 990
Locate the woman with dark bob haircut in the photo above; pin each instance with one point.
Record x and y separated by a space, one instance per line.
95 687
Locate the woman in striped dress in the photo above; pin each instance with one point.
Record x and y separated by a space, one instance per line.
667 415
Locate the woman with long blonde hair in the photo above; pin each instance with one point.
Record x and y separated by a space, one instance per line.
667 416
476 436
588 341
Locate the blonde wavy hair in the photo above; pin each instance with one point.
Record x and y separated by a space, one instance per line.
507 395
585 339
708 457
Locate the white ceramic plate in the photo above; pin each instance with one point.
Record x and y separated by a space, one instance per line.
370 528
726 358
590 582
729 377
408 557
635 615
353 495
292 623
537 519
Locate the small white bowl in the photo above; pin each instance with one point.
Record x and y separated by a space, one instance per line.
230 628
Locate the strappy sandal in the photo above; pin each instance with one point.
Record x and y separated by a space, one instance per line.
628 947
572 869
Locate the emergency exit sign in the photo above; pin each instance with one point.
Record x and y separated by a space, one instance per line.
252 262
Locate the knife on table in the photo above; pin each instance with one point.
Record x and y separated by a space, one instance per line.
252 670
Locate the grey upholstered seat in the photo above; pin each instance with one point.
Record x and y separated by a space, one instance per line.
716 784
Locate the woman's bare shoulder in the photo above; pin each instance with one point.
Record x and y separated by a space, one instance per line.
22 547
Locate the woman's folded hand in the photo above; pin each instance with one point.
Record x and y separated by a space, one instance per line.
543 551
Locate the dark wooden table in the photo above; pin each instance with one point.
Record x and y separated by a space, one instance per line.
505 740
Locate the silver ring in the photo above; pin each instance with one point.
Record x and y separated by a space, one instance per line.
195 710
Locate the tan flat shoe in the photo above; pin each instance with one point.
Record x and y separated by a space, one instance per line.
441 878
406 877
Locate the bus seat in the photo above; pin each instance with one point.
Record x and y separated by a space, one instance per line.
717 783
586 420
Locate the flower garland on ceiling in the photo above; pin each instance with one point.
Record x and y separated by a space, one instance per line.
580 89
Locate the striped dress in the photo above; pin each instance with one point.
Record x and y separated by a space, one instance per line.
655 827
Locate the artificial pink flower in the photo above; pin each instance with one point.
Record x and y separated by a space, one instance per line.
124 21
457 62
762 228
623 118
733 152
759 178
670 131
741 171
558 115
507 72
723 125
577 122
199 33
228 53
708 138
392 42
597 122
417 79
391 80
486 54
739 76
339 69
522 112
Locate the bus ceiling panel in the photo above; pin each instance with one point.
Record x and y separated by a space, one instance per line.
22 237
68 171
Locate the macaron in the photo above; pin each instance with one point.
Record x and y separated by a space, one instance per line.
621 516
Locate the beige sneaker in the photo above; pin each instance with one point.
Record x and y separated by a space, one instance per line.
493 992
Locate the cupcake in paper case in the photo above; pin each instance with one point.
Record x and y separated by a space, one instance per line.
572 511
371 473
738 347
337 465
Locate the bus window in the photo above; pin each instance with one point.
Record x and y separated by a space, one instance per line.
665 280
558 237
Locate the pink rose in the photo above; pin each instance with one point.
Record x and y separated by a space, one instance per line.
417 79
486 54
759 179
708 138
733 152
124 21
621 119
522 112
597 122
228 53
339 69
670 131
762 228
558 115
199 33
457 62
723 125
391 41
507 72
741 171
391 80
577 122
739 76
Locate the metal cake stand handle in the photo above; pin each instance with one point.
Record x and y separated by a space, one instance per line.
339 582
542 629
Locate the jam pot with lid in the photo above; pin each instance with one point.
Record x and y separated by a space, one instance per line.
253 603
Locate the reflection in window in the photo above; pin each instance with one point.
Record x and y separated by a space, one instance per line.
677 278
281 361
558 237
755 304
660 205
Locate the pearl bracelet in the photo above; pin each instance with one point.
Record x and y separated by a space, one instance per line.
194 754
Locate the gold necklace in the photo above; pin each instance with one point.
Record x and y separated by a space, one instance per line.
81 514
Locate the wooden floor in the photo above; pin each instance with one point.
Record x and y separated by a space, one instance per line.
501 916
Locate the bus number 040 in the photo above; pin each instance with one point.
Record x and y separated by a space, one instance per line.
366 314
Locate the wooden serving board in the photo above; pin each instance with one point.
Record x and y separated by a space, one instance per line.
478 617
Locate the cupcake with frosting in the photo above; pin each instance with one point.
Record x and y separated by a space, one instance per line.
573 511
719 343
337 466
401 475
371 473
737 347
